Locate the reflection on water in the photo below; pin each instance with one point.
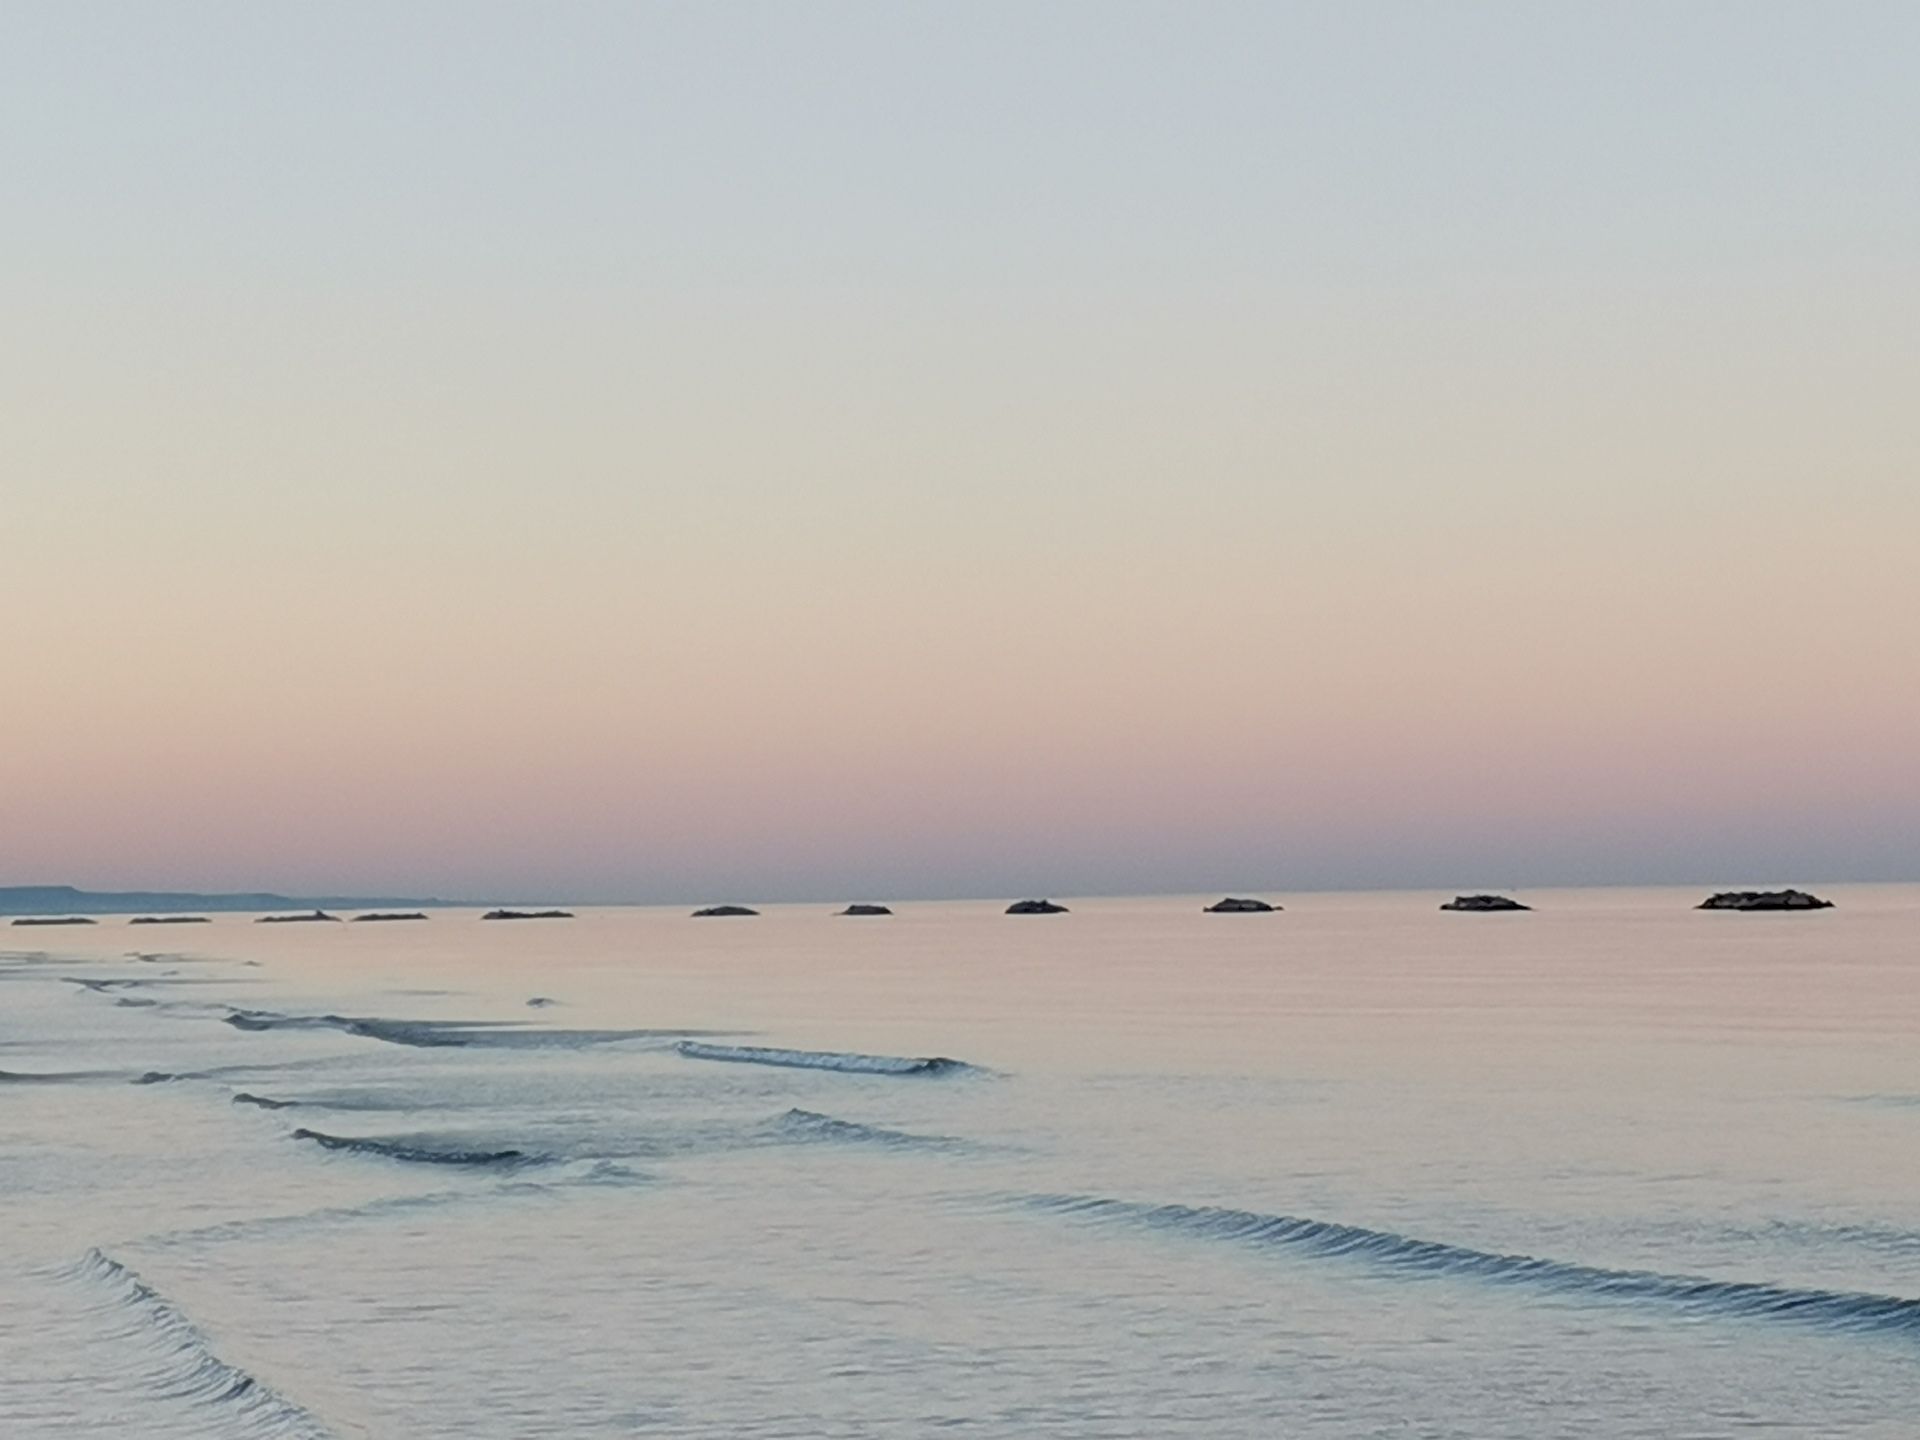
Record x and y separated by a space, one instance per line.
1613 1168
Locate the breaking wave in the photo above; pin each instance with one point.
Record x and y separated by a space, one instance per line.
425 1033
1690 1294
824 1060
188 1369
433 1034
420 1152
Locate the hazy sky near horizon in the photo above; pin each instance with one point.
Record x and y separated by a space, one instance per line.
742 451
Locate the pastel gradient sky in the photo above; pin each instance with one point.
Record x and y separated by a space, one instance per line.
690 450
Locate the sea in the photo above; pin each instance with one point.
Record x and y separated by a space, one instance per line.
1613 1167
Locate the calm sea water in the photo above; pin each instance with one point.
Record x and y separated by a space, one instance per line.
1613 1168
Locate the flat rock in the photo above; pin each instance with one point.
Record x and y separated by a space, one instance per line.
295 919
527 915
714 911
1764 900
1484 902
1233 905
1035 907
55 920
864 910
376 916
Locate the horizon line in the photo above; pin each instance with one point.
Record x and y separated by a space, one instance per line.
349 901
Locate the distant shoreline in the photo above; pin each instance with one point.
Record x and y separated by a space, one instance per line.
22 901
69 900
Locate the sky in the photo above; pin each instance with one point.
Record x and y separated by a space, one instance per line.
679 451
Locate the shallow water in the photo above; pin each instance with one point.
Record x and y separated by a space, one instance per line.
1613 1168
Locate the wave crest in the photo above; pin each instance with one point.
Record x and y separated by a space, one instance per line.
824 1059
1692 1294
419 1153
434 1034
810 1125
189 1369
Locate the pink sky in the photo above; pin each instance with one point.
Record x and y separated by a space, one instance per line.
1263 460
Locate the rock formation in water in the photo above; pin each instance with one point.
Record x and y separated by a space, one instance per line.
295 919
1233 905
713 911
169 920
1764 900
528 915
864 910
54 920
1035 907
379 915
1483 902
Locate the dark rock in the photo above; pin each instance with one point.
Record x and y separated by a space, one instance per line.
378 915
1483 902
864 910
295 919
1035 907
169 920
527 915
713 911
1764 900
1233 906
54 920
540 1002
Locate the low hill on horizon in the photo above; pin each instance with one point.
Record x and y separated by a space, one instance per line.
67 900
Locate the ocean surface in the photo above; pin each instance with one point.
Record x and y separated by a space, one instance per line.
1612 1168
